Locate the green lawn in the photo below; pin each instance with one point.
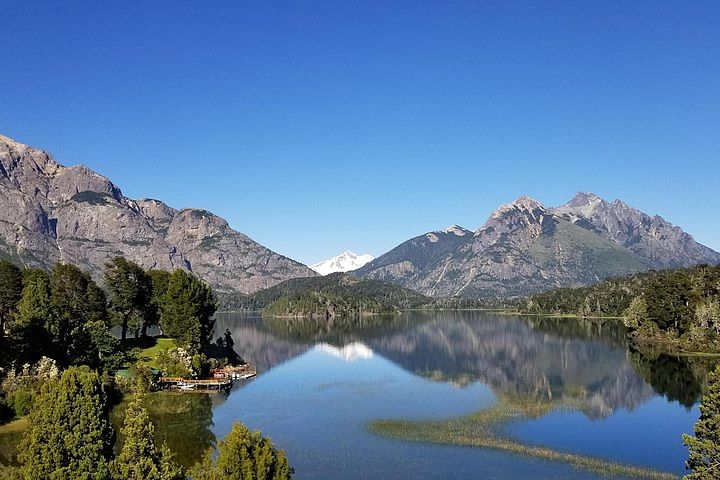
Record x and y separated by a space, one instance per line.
150 347
19 425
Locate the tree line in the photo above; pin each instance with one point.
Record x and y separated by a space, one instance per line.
65 315
351 288
678 308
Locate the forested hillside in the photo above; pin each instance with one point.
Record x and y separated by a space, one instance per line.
377 295
679 308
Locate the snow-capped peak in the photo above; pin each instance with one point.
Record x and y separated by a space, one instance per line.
344 262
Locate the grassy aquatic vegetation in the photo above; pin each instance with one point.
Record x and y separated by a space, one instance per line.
484 429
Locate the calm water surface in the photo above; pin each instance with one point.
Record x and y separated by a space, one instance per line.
318 388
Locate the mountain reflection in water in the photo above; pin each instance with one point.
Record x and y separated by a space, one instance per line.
582 363
322 388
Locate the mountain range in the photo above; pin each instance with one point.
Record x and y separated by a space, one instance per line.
525 247
51 213
344 262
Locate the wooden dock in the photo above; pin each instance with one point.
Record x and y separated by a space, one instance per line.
185 383
223 379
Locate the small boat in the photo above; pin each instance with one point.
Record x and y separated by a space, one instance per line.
245 376
186 386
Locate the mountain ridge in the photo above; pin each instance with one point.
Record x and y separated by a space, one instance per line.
525 247
74 214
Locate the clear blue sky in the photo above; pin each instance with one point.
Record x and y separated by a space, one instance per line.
316 127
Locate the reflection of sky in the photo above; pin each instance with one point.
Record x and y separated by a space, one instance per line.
318 404
650 435
317 407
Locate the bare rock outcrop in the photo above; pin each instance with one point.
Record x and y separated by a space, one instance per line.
54 213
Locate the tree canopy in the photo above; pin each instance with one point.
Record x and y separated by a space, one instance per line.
140 458
10 290
27 327
69 436
704 458
188 306
245 455
130 292
75 300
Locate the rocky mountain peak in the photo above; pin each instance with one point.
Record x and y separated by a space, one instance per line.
525 203
21 165
582 205
582 199
658 242
520 213
524 247
457 230
51 213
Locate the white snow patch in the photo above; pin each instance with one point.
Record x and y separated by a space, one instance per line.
345 262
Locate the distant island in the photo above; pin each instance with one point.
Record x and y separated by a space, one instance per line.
334 295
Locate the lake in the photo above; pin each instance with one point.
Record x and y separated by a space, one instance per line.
569 385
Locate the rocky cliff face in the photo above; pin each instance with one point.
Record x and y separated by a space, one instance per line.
53 213
654 239
525 247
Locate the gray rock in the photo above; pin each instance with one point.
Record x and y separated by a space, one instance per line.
657 241
524 248
53 213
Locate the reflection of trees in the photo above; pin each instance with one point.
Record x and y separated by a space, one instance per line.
609 331
256 344
340 331
182 421
272 341
679 378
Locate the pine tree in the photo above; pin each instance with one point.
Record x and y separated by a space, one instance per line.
187 310
10 291
69 435
245 455
76 300
139 458
129 288
27 328
704 459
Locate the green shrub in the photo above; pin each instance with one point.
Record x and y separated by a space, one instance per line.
21 401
